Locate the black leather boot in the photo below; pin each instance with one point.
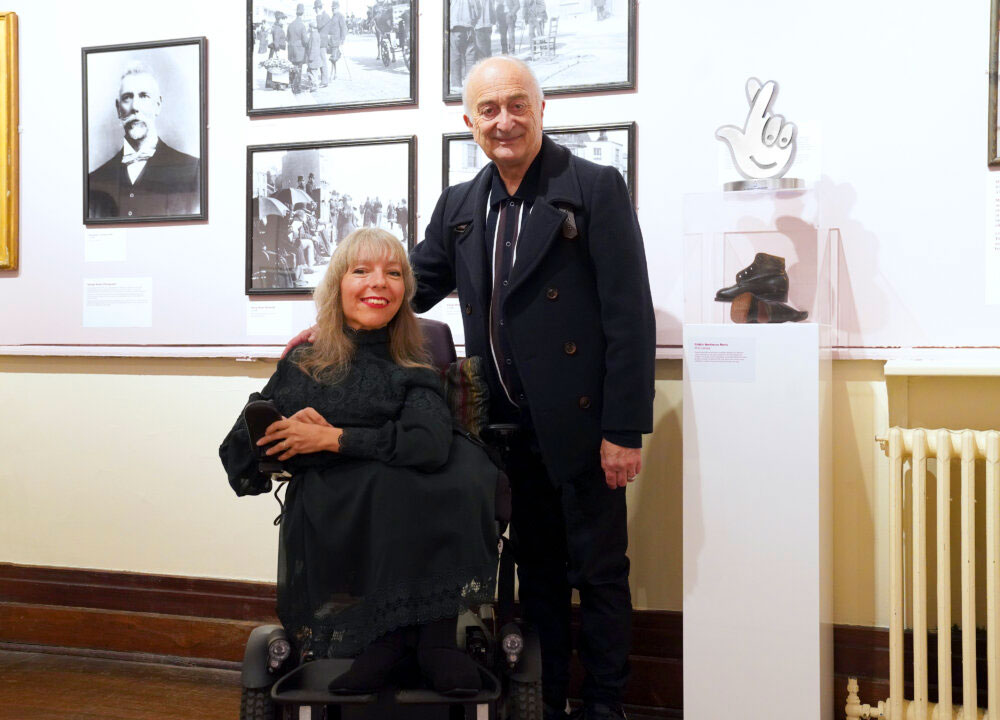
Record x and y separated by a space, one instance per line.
446 668
372 668
765 277
748 308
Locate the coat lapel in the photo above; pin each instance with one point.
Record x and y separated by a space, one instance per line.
470 245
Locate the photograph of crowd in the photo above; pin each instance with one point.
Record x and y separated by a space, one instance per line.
327 54
144 132
571 45
304 198
612 144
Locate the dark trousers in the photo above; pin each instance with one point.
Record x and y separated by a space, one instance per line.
572 536
461 38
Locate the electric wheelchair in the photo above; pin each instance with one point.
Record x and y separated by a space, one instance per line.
278 686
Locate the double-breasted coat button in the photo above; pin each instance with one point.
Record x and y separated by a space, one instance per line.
552 293
468 309
570 348
584 402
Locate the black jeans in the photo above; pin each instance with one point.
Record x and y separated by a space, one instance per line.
572 536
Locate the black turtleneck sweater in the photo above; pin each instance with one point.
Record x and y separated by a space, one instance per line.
388 413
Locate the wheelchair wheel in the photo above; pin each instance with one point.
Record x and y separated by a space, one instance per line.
256 704
524 700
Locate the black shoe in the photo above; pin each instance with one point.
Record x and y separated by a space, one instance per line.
446 668
601 711
372 668
748 308
765 277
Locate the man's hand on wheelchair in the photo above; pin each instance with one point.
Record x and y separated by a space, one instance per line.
304 432
620 464
308 335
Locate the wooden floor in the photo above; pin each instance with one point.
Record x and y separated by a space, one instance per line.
43 686
36 686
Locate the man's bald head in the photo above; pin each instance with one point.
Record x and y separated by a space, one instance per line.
503 108
486 70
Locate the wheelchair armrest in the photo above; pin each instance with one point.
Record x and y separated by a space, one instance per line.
258 415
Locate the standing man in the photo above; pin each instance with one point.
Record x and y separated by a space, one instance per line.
324 27
506 23
482 46
298 37
545 251
463 16
402 217
337 36
146 178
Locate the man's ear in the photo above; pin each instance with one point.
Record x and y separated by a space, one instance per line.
468 123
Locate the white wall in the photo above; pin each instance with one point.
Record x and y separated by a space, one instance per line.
891 95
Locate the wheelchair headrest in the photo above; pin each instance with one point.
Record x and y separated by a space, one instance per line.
438 342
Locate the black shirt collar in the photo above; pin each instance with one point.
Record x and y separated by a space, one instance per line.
527 191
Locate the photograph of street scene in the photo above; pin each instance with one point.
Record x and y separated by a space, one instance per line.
602 144
327 54
305 200
572 45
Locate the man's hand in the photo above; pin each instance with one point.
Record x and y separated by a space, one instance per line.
308 335
294 437
620 464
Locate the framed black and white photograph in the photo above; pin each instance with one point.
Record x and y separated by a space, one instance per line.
612 144
144 132
993 156
573 46
330 54
304 198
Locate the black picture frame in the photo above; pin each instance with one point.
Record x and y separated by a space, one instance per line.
992 158
398 53
181 180
629 128
619 9
278 275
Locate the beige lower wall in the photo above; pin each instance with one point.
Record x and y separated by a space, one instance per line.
112 463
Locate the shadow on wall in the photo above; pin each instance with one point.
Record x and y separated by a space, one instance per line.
858 262
655 502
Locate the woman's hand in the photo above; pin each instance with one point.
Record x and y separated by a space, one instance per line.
310 416
296 437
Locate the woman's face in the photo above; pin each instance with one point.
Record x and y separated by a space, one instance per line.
371 292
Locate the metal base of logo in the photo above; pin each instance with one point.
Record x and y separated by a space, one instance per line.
765 184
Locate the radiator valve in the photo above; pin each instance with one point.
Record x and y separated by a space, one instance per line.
854 709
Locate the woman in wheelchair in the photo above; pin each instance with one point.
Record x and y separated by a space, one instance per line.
387 533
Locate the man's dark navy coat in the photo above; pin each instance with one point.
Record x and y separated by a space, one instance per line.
578 312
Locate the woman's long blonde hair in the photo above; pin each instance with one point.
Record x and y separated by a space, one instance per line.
330 356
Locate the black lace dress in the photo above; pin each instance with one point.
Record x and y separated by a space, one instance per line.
397 528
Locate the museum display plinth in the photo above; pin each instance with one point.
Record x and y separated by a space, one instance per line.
758 509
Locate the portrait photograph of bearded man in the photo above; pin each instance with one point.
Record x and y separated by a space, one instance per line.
144 129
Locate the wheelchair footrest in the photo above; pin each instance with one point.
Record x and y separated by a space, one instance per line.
309 683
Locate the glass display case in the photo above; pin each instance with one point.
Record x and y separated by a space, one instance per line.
759 256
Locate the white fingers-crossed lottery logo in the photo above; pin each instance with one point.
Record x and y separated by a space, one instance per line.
765 146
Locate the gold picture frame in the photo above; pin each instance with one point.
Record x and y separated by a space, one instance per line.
9 178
